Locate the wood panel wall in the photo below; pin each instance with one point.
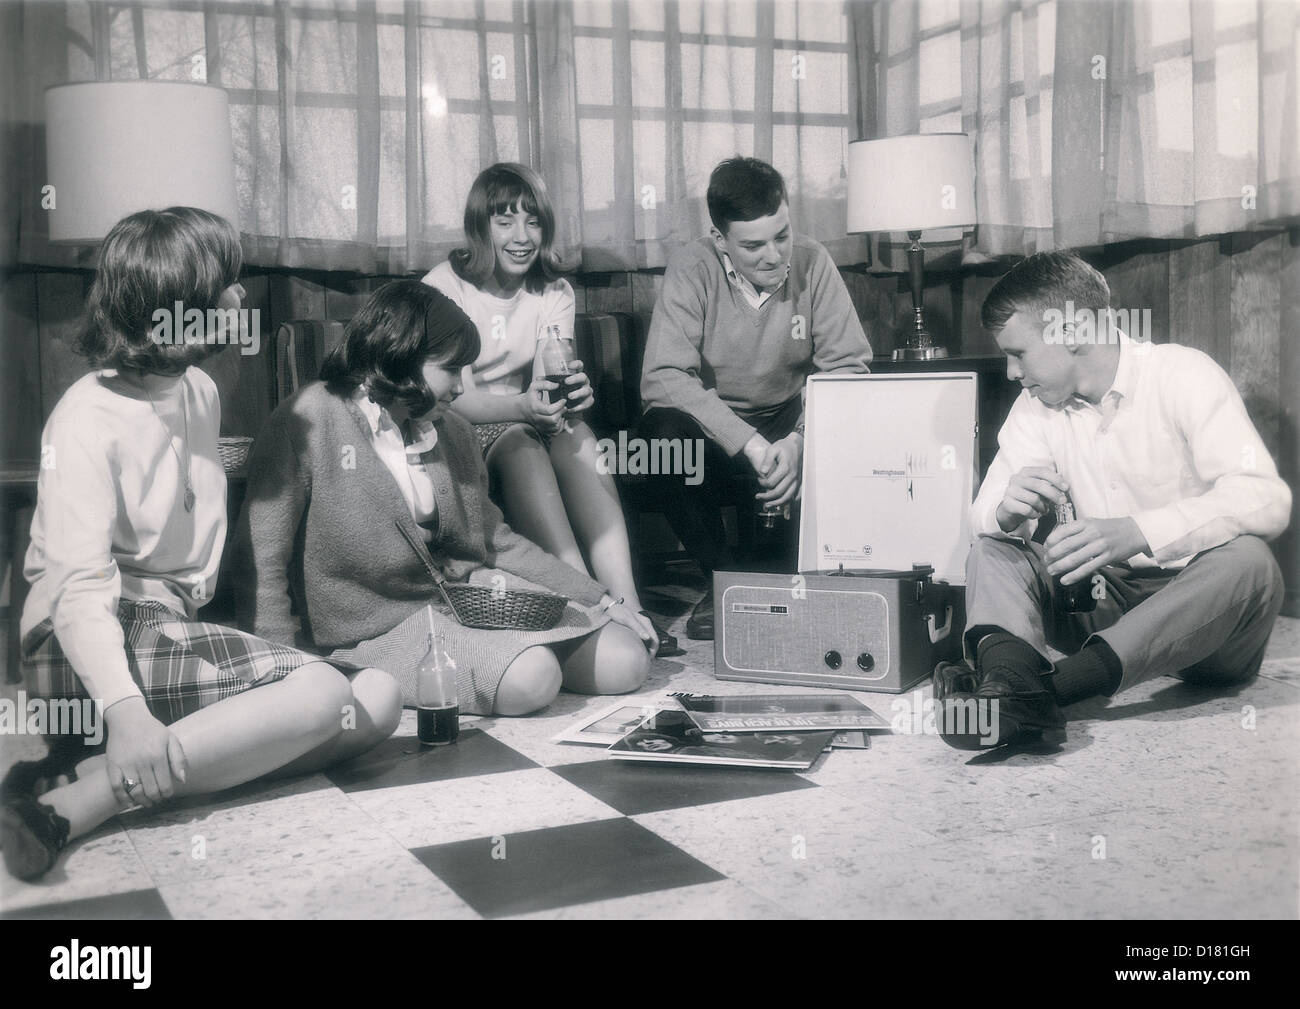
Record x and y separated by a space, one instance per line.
1236 297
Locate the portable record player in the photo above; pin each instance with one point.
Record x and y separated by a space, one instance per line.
888 478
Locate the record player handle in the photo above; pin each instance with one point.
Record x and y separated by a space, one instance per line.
937 634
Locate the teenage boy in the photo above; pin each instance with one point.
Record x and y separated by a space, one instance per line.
1174 494
745 315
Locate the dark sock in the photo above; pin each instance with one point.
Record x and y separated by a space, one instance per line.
1093 671
1011 659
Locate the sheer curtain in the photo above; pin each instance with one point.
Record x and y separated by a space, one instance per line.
360 126
1099 121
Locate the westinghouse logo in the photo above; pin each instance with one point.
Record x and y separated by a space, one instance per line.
75 962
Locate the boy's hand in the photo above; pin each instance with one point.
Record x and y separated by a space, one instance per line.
1030 494
1077 549
784 469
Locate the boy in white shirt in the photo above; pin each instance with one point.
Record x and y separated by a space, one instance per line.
1174 495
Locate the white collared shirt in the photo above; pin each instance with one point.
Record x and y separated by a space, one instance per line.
1169 445
402 460
752 294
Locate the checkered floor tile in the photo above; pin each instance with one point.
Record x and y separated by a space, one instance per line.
1193 800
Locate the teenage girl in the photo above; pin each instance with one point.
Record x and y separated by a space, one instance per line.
541 456
126 542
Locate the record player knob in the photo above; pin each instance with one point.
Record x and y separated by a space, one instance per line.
833 659
866 663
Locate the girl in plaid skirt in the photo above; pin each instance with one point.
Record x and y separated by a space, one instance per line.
126 543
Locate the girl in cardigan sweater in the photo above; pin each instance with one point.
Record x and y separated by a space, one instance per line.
359 484
126 543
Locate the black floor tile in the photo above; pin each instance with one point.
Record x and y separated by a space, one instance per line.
560 866
134 905
648 788
400 760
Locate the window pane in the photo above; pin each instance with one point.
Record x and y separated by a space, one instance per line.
649 142
319 136
450 57
596 137
392 60
809 82
812 21
595 70
596 13
717 77
172 40
648 74
325 56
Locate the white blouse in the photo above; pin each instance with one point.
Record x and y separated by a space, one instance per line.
402 460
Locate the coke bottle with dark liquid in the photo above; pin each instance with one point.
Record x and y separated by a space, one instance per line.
557 352
1076 597
437 713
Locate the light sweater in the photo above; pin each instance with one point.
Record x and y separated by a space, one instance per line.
508 328
1170 445
110 522
318 559
713 355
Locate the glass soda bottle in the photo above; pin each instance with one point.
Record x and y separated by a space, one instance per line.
557 352
437 703
1077 597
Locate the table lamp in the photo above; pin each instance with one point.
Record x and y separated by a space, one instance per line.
913 184
113 148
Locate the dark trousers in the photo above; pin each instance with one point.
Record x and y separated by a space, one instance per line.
695 511
1210 619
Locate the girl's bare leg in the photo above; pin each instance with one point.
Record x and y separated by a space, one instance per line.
613 660
591 501
231 742
369 718
530 497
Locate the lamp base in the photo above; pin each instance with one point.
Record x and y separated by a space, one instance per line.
926 353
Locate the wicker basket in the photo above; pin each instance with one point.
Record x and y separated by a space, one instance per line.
503 609
234 452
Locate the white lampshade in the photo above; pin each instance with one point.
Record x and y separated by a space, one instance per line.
115 148
913 183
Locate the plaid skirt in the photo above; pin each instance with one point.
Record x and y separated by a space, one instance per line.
180 665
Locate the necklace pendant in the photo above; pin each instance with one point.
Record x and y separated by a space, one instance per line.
189 498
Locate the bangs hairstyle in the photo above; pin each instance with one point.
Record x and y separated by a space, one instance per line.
150 261
400 326
1043 281
502 189
744 189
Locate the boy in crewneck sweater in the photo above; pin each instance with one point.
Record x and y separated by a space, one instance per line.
745 315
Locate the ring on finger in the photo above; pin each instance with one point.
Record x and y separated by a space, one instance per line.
128 784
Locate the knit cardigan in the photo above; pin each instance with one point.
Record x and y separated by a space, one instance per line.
319 558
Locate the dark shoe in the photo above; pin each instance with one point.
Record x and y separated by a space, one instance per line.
35 777
667 643
700 625
995 713
32 835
